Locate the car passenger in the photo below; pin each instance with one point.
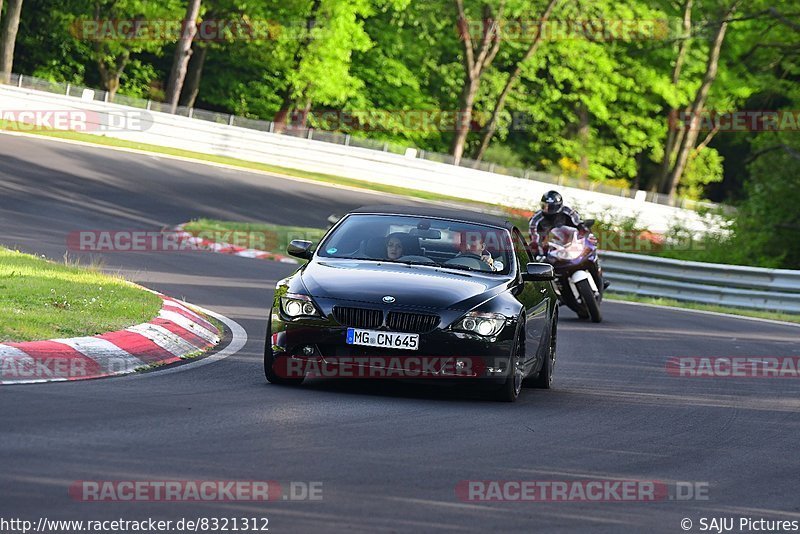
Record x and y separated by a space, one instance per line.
394 247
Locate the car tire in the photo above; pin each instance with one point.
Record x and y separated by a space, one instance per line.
544 378
511 388
269 361
589 300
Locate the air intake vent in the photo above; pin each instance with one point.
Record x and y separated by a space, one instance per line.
412 322
358 317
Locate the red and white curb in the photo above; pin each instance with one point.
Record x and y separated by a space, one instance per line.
177 331
199 243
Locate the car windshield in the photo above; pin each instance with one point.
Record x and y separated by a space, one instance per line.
421 241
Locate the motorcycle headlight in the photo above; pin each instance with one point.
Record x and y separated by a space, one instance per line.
294 305
483 324
566 254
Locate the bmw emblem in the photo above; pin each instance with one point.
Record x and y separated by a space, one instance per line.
388 299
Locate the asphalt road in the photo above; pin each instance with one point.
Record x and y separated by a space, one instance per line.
388 454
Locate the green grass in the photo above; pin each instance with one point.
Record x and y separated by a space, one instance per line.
41 300
775 316
261 236
319 177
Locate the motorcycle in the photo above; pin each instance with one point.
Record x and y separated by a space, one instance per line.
579 277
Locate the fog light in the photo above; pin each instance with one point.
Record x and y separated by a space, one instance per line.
308 350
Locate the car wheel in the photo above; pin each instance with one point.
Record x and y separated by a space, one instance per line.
269 361
510 389
544 379
589 300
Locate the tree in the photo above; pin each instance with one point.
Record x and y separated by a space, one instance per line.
112 50
500 104
477 59
689 138
674 134
194 73
318 71
183 50
9 39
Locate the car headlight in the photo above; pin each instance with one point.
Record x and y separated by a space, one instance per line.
483 324
294 305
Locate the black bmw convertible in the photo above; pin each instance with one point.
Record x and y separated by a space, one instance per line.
399 291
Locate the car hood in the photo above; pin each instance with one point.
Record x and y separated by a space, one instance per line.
410 285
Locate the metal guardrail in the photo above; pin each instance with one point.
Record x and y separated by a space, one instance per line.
690 281
339 138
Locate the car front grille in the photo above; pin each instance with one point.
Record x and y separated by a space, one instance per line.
358 317
411 322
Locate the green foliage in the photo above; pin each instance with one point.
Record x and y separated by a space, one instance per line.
704 167
504 155
584 106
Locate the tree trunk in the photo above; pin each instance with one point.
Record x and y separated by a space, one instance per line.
583 137
466 102
512 80
287 98
9 39
674 135
692 132
110 77
191 86
475 64
280 119
183 50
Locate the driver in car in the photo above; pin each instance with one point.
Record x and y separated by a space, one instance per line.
474 245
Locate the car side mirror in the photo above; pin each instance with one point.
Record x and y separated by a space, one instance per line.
588 223
300 249
538 272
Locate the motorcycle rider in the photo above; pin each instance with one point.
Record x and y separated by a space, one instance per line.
553 214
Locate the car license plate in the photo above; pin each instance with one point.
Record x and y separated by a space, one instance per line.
387 340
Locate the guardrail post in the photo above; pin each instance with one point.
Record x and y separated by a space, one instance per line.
19 81
105 97
68 88
311 133
191 112
271 127
346 139
149 104
230 120
386 147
